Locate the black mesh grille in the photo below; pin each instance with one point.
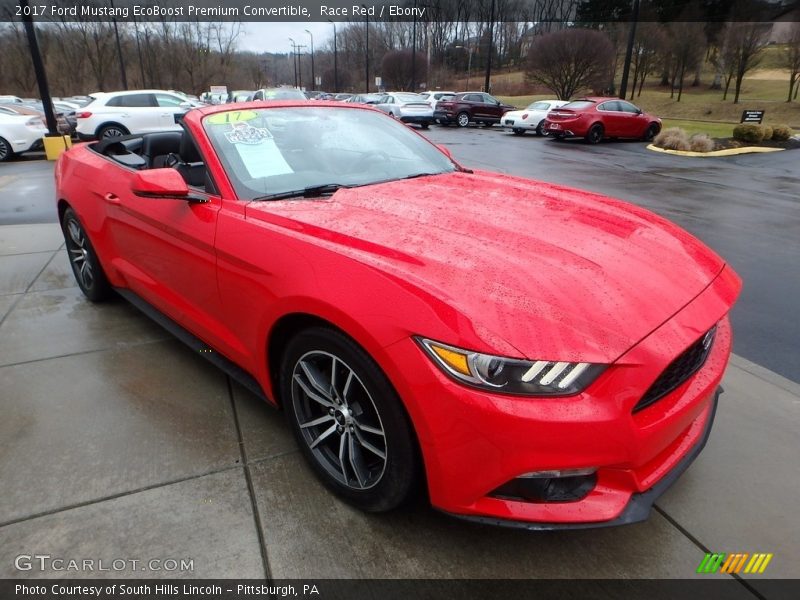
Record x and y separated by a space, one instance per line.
679 370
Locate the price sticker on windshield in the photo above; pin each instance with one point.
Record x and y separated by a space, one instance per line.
232 116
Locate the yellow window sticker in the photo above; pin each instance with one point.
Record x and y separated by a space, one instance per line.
232 116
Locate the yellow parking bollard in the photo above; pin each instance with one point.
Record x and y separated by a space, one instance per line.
55 145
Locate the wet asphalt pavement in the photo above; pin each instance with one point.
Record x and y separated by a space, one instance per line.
744 207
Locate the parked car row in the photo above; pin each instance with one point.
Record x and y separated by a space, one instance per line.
113 114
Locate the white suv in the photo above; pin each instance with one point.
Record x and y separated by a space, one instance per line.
112 114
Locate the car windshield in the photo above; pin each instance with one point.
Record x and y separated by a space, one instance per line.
538 106
578 105
277 151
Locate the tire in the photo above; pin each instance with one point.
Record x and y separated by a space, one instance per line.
363 444
83 259
595 134
111 130
462 120
6 153
518 131
652 131
424 125
559 137
540 128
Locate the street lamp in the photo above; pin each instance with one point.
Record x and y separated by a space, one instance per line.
487 84
313 76
366 50
469 61
294 60
335 60
414 51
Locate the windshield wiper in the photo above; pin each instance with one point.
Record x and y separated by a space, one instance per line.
312 191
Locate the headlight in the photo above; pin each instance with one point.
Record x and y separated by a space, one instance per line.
509 375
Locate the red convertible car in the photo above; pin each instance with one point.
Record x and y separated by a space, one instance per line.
527 354
596 118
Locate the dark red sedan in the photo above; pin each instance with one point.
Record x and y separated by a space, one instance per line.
597 118
417 330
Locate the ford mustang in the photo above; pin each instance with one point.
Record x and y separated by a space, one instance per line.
527 354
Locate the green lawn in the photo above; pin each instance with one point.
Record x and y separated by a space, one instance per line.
715 130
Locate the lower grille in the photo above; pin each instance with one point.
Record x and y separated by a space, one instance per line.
679 370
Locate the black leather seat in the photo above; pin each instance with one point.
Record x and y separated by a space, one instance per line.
191 165
156 147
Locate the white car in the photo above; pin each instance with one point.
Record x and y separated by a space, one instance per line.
520 121
433 97
112 114
20 133
408 107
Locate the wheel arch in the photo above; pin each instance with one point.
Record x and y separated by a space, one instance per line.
100 127
290 324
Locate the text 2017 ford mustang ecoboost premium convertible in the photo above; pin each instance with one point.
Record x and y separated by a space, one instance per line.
538 356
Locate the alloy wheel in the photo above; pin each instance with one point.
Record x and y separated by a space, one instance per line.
339 420
463 119
79 254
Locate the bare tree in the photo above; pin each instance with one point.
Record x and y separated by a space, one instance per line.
791 59
570 60
650 41
741 52
686 40
396 69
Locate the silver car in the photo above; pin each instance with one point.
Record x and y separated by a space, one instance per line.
408 107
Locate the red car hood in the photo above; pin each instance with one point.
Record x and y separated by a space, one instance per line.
557 273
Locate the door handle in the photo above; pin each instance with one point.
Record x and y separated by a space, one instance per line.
111 198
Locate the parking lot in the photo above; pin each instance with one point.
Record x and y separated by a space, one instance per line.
119 441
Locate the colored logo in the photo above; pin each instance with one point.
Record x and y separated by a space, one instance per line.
736 562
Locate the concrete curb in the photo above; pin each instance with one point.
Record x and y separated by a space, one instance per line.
766 375
726 152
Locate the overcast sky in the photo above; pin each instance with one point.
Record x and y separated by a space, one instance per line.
274 37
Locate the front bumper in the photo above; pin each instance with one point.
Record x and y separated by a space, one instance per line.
638 507
473 442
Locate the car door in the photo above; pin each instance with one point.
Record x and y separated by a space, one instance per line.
165 250
473 104
612 117
492 106
170 106
633 123
140 112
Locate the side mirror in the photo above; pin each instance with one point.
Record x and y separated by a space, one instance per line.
445 150
160 183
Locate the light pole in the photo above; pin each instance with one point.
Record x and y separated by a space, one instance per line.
623 85
469 62
39 71
335 60
313 76
414 51
486 84
366 50
294 60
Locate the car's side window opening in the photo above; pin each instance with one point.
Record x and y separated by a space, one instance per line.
159 150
